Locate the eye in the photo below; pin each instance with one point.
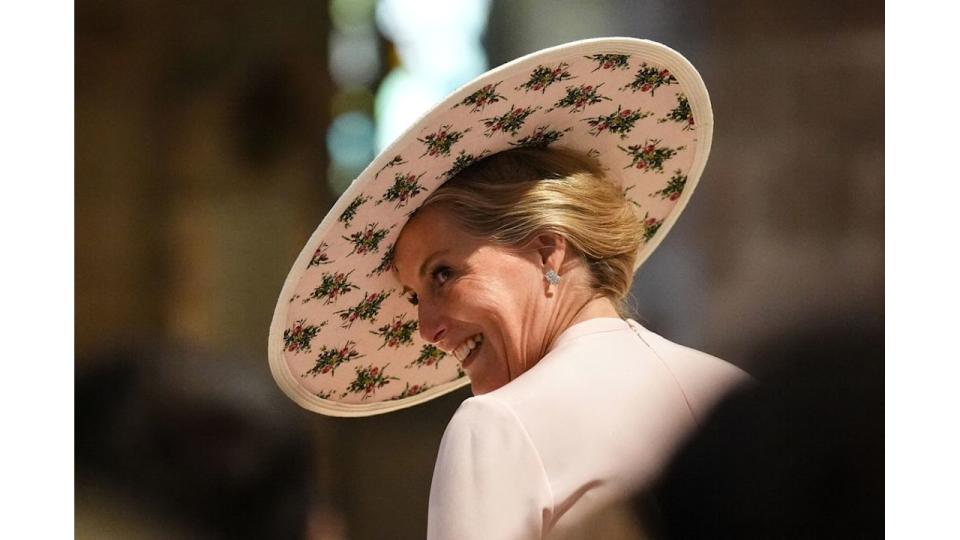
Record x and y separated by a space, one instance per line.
413 299
441 274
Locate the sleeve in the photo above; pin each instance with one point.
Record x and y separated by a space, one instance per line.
489 482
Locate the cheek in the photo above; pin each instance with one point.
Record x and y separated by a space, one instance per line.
500 292
497 290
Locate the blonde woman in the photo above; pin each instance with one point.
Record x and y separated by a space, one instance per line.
493 245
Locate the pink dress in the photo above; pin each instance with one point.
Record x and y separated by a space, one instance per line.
595 420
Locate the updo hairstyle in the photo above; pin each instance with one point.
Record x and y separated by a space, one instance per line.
512 196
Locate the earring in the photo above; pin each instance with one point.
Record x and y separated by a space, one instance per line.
552 277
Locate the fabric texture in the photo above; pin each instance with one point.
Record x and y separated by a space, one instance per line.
594 421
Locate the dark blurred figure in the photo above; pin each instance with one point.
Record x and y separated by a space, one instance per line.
176 443
800 455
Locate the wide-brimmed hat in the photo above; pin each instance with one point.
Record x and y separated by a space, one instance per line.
344 340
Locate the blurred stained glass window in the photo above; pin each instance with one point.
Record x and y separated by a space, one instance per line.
391 60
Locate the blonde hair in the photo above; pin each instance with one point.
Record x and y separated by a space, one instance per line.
512 196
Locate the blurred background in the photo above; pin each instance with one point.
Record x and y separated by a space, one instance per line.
212 137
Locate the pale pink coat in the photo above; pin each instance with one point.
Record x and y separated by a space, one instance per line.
595 420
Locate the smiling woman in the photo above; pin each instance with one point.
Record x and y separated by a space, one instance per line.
493 244
525 259
476 253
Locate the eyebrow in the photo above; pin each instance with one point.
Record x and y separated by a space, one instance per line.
423 267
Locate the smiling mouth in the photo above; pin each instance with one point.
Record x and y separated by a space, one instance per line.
466 352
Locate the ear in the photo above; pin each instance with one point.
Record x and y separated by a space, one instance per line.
551 250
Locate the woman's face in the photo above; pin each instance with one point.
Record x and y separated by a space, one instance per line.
471 290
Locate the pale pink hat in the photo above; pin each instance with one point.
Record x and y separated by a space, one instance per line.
344 341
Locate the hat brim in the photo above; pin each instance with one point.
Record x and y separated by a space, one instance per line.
343 341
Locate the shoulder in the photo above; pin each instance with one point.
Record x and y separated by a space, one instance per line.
482 416
703 378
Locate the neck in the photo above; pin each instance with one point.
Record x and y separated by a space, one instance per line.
594 309
576 312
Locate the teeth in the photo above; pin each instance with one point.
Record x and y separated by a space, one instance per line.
464 349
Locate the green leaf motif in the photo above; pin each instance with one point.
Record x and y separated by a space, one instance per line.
649 78
397 332
541 137
351 211
298 337
409 391
578 97
681 114
509 122
366 310
331 287
543 76
621 121
386 261
650 227
626 195
482 97
430 355
319 256
610 61
330 359
674 187
368 380
649 156
397 160
405 187
439 142
367 240
461 162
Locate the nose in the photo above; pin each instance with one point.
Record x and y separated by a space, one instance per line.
432 327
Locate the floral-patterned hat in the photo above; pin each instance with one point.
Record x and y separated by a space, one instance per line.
344 340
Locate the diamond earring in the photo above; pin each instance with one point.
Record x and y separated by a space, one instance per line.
552 277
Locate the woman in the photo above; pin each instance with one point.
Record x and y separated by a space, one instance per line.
493 244
517 456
